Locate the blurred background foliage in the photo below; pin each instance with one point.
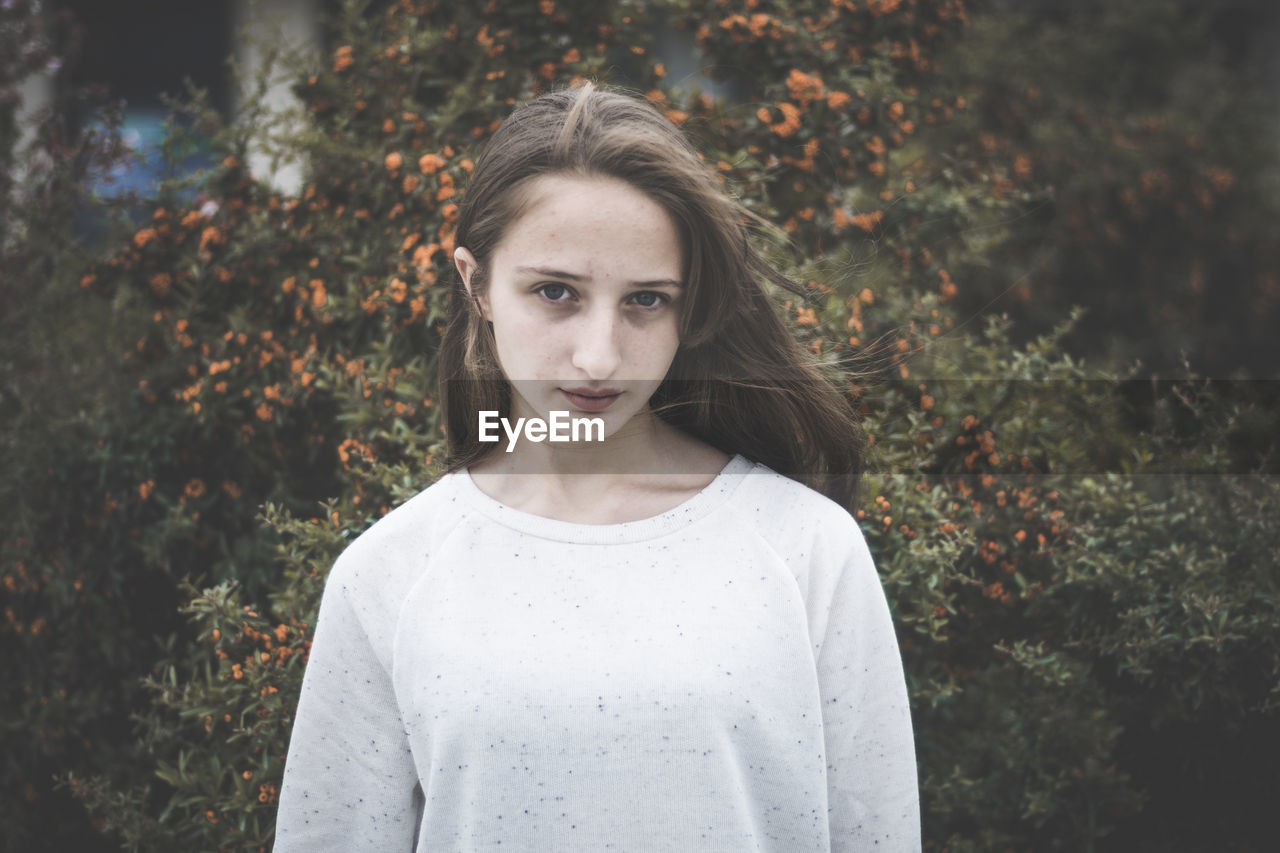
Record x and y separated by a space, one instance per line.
1030 231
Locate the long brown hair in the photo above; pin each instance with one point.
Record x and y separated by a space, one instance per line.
740 381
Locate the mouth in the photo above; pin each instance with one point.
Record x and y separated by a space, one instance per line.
590 399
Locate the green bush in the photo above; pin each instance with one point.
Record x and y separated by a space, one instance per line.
1085 601
1136 142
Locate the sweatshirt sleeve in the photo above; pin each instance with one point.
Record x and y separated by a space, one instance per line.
873 797
349 779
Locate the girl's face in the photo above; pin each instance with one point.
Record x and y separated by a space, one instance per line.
582 292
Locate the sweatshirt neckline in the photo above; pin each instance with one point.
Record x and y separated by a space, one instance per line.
708 499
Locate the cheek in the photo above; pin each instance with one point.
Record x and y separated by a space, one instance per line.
654 350
525 345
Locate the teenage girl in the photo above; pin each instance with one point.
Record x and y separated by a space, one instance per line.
667 634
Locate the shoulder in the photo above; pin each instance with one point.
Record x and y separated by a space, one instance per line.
817 538
827 554
784 510
390 553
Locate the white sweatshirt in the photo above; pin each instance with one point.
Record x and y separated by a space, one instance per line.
721 677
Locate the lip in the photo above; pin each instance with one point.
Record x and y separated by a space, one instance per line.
591 399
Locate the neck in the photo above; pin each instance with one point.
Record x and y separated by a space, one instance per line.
644 468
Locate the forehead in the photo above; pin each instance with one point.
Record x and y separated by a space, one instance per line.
594 219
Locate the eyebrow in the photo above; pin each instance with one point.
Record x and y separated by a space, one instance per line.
551 272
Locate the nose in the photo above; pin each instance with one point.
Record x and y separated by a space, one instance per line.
597 350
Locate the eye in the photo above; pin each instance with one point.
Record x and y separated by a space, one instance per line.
649 299
554 292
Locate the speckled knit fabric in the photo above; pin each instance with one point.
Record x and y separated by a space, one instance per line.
721 677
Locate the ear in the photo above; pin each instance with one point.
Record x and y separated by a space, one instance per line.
467 266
